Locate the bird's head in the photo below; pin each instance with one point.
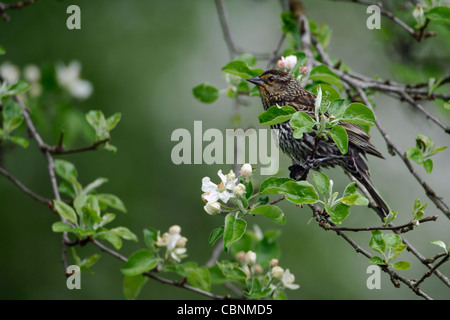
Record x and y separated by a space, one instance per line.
275 84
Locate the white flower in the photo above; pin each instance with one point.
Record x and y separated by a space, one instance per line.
246 170
178 253
240 256
418 14
181 242
31 73
212 207
277 272
10 72
66 75
274 262
214 192
250 257
69 78
174 243
81 89
288 62
175 229
239 190
288 280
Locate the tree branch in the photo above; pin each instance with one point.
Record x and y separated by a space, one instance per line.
23 188
8 6
416 34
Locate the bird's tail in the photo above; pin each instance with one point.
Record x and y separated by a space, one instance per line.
361 173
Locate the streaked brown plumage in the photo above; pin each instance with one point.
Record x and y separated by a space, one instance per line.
280 88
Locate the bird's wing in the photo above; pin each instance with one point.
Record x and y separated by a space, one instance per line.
356 136
359 138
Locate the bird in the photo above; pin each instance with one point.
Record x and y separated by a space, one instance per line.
280 88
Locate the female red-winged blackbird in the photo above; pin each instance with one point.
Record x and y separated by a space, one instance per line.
280 88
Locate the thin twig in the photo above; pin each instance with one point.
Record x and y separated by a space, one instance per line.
418 35
401 228
23 188
318 214
158 278
8 6
226 28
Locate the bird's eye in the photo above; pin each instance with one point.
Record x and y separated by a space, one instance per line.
272 79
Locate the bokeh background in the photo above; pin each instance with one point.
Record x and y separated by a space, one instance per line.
143 59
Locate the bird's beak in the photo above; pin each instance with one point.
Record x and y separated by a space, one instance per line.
256 80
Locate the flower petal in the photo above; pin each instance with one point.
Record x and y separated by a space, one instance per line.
207 185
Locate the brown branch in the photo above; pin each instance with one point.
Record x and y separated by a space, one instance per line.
226 28
23 188
8 6
152 275
59 149
402 228
321 218
416 34
432 270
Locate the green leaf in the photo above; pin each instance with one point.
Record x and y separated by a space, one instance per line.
359 114
215 235
124 233
132 286
299 192
241 69
61 227
340 138
329 94
112 238
196 276
272 185
390 217
397 251
112 201
439 14
274 213
337 108
339 213
113 120
377 241
97 120
301 123
2 50
86 264
19 87
232 271
275 115
392 241
428 165
377 260
66 170
150 236
139 262
19 141
324 74
355 200
322 182
350 189
248 58
415 154
401 265
440 244
234 229
206 93
65 211
106 218
94 185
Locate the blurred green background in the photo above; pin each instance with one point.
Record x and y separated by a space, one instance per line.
143 59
